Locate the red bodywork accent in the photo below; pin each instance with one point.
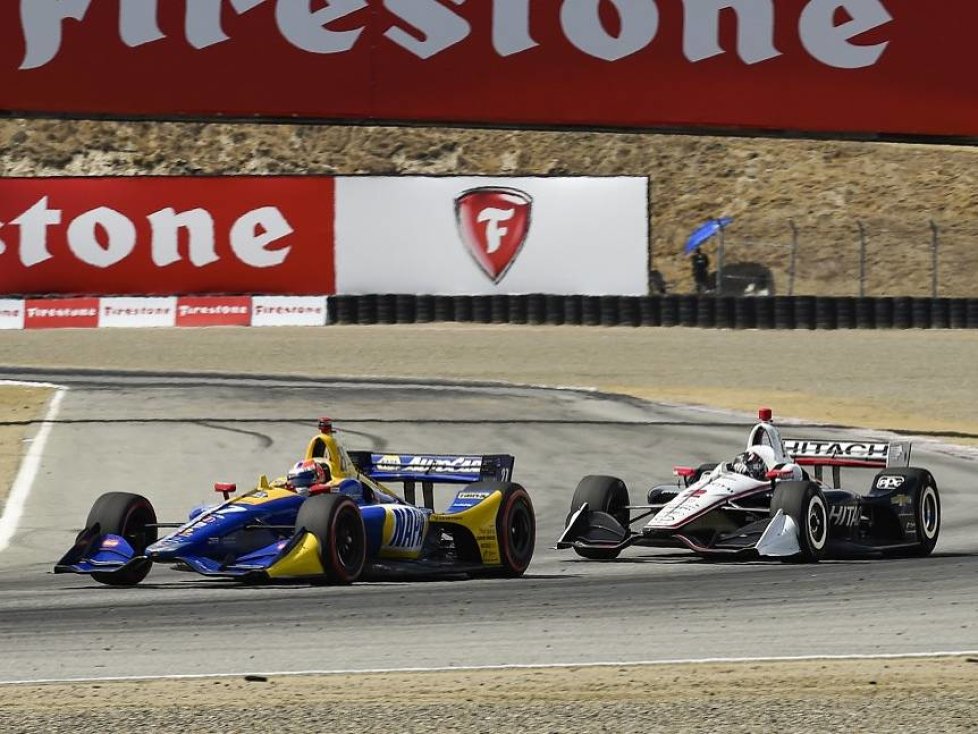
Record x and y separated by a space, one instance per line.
740 495
683 471
765 414
859 463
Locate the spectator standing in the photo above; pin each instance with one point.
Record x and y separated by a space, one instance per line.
701 271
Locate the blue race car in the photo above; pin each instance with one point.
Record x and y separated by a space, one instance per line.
330 520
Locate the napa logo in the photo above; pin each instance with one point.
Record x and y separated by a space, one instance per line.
405 527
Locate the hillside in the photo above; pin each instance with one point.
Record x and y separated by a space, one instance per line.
825 188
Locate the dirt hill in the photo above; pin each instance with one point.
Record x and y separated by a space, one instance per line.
825 189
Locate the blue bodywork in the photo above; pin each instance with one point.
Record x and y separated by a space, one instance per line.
249 533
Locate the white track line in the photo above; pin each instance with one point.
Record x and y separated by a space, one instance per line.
512 666
21 489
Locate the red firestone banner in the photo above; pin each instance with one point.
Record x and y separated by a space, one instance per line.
79 313
165 236
864 66
213 311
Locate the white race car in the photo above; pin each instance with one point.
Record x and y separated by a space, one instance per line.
764 503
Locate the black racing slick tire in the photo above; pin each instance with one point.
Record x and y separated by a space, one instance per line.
927 511
131 516
602 494
926 505
336 522
805 504
516 528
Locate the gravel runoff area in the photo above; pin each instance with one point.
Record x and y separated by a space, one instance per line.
912 381
882 695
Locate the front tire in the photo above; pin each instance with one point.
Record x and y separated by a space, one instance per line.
602 494
336 522
805 504
131 516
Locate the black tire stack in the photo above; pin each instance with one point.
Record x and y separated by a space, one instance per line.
688 310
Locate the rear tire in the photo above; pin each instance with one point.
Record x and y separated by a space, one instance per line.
603 494
805 504
926 506
128 515
336 522
927 511
516 527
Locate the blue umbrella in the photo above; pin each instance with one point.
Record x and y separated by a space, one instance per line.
704 232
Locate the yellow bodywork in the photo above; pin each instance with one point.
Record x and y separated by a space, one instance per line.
481 521
302 560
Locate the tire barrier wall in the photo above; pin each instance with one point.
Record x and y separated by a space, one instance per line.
720 312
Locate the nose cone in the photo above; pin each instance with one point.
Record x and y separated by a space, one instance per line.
168 547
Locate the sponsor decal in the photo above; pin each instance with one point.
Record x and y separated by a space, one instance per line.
428 464
57 313
110 543
213 311
11 314
828 449
493 222
900 499
844 515
388 462
288 311
408 528
472 495
137 312
889 482
166 235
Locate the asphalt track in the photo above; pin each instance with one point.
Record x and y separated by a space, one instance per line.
171 438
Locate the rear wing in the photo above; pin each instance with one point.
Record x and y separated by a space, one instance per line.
819 453
431 469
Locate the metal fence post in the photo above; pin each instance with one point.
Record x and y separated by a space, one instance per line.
935 239
862 259
793 259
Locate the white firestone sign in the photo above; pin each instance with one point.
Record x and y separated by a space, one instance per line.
288 311
488 235
11 314
137 312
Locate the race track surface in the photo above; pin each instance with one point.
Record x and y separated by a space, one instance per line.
171 438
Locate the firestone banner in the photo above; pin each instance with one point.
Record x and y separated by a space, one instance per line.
473 235
871 66
165 236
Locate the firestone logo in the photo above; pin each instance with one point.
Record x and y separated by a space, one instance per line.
426 28
103 237
493 222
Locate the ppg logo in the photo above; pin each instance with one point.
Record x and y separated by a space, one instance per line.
889 482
